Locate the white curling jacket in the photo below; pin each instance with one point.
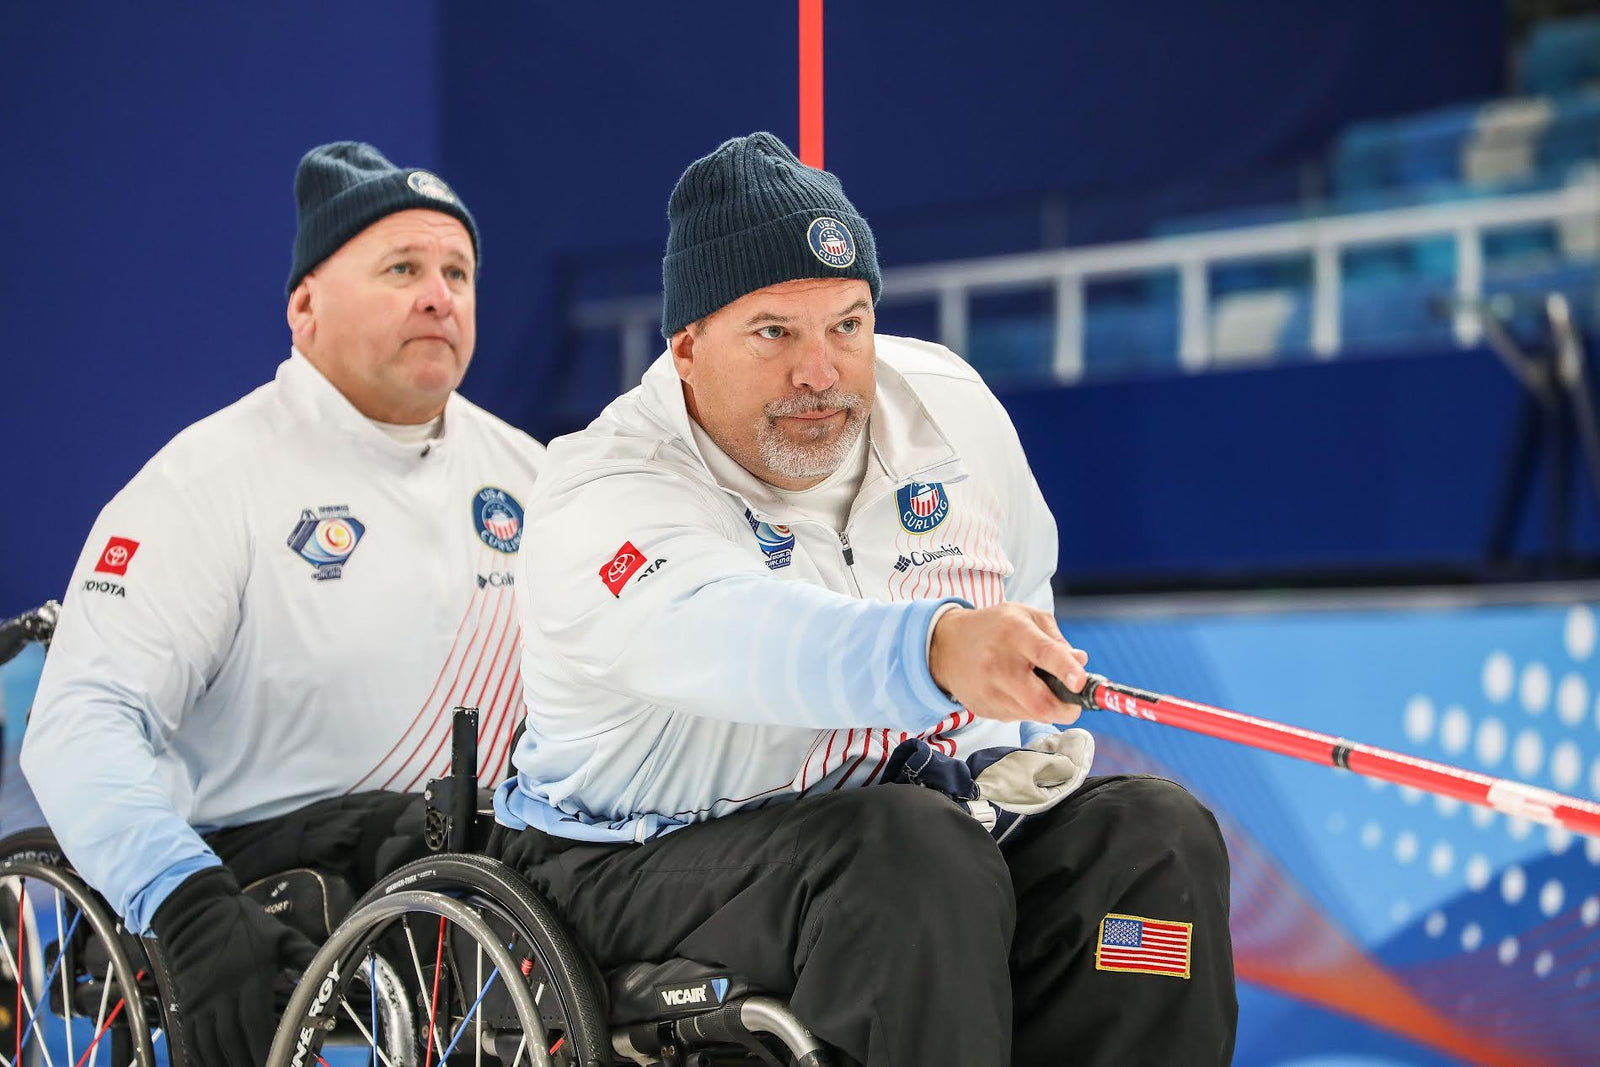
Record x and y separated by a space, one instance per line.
696 647
282 606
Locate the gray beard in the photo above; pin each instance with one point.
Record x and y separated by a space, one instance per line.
801 459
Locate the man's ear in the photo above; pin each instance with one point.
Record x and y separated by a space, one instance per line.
298 312
682 345
302 322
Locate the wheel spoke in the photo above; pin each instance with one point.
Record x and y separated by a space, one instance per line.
65 937
422 983
371 1039
22 937
433 1003
372 986
155 1035
477 1058
116 1011
471 1012
100 1015
16 961
61 954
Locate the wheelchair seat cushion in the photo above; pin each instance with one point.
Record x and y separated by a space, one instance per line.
643 992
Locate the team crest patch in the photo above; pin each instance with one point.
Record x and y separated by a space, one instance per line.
832 242
498 518
777 542
325 538
1144 946
923 506
430 184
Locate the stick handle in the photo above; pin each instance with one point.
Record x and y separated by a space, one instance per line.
1513 798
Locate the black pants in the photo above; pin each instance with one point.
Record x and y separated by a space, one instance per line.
361 837
903 936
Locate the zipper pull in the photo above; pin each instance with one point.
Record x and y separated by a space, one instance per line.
849 555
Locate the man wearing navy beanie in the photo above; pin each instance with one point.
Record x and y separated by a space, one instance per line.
257 659
784 716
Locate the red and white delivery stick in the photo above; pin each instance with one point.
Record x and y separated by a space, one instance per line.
1529 802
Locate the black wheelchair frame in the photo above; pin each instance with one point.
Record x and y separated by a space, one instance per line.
557 1009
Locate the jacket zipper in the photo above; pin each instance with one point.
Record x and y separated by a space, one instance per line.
849 561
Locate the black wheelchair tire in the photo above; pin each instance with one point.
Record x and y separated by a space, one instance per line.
573 977
35 854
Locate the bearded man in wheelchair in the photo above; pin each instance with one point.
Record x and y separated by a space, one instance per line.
786 606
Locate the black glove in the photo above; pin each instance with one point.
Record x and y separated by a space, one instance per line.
223 955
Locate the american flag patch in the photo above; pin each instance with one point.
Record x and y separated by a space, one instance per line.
1147 946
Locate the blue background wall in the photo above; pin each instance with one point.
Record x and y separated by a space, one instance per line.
1376 466
150 151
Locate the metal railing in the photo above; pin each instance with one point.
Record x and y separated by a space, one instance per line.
1067 271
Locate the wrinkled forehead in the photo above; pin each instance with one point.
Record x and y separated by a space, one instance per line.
801 299
414 228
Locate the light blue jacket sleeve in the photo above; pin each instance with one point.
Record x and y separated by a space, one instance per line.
703 624
791 653
133 650
95 777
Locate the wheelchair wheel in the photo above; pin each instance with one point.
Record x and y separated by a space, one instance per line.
70 975
489 973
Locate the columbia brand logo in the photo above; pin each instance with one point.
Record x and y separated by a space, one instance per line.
918 557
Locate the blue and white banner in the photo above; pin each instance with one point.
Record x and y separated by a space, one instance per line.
1373 925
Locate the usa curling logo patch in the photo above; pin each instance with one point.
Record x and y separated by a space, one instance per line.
922 505
430 184
832 242
777 542
325 538
498 519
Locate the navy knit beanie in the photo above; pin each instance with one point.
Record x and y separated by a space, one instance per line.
751 215
344 187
